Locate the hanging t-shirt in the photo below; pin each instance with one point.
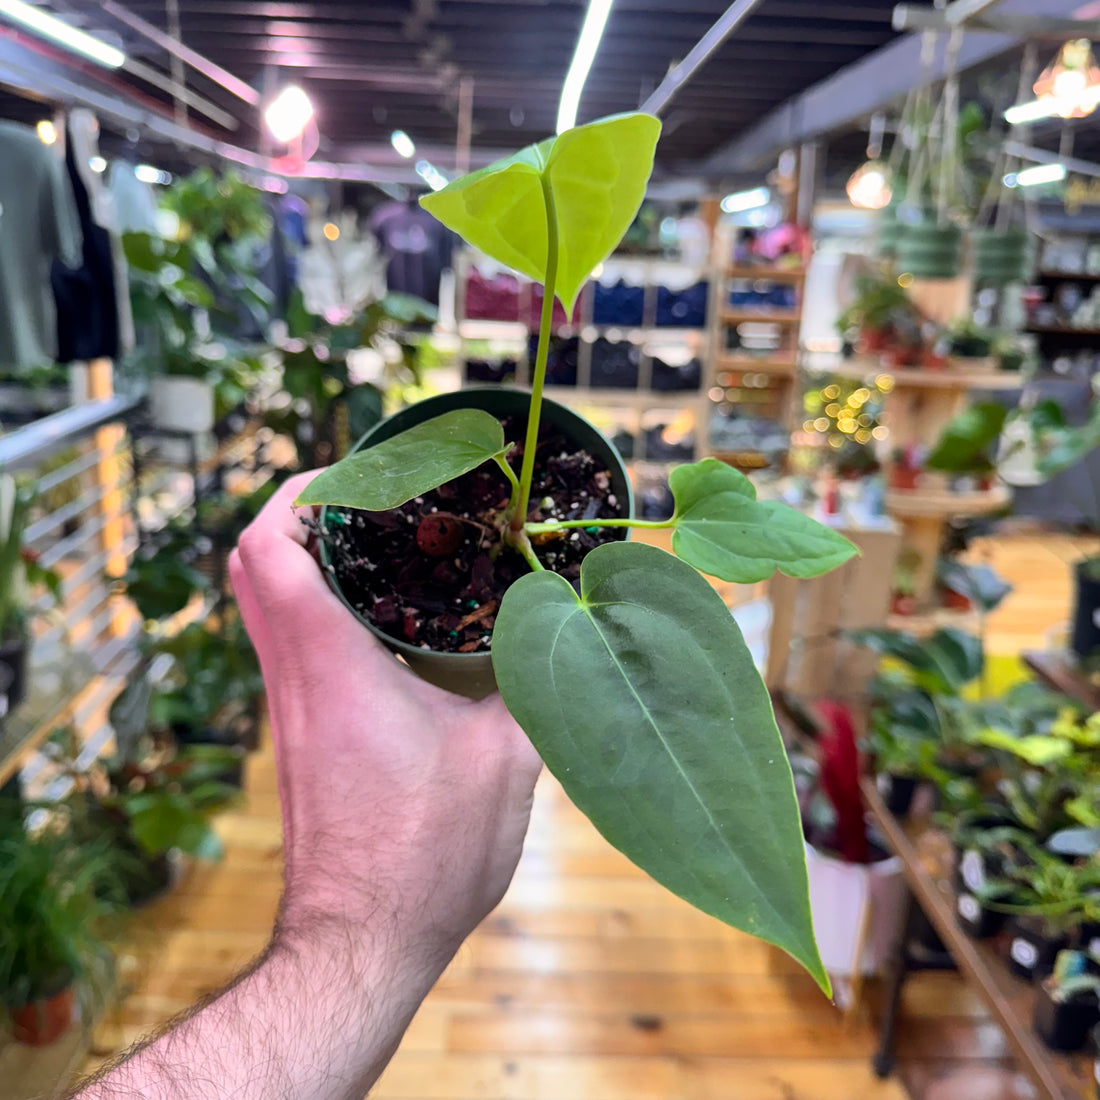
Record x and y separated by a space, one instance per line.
417 247
38 224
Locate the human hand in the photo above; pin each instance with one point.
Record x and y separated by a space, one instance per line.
404 806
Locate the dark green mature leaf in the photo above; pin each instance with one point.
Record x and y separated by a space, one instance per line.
722 529
943 663
1061 446
406 465
597 175
967 441
978 583
641 697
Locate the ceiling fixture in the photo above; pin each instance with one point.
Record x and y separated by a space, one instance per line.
403 144
47 132
64 34
1069 87
431 175
288 114
869 185
97 164
589 42
746 200
1032 177
146 173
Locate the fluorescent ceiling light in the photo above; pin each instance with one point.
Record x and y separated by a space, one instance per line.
431 175
288 114
64 34
589 42
97 164
148 174
47 132
746 200
1050 106
403 144
1040 173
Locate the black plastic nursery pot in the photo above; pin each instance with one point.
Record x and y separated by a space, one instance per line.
13 658
1032 948
897 792
1086 608
1064 1025
471 674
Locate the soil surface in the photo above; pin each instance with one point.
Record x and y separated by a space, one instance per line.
432 573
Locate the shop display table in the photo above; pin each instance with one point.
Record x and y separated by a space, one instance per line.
927 862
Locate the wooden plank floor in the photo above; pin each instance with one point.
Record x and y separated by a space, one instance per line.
592 983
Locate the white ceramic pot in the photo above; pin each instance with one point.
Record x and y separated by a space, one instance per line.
840 894
181 404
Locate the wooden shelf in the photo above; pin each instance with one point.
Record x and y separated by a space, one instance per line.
923 623
940 504
787 367
610 396
761 316
1082 276
926 859
1063 330
950 378
769 274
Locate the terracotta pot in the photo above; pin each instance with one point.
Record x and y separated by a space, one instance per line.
903 605
901 478
956 601
43 1022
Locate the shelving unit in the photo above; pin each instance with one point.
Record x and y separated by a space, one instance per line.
635 409
754 356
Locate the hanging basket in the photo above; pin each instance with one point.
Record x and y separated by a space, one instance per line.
1001 255
930 251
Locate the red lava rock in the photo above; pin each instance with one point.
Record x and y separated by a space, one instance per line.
439 535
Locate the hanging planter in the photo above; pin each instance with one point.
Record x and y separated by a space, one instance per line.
928 250
1001 256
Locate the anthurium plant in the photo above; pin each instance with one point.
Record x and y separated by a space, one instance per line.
635 686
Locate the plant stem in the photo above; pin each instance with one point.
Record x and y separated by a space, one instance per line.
522 543
509 473
560 525
546 323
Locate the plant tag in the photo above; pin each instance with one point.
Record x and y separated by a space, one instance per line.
972 869
1025 953
969 908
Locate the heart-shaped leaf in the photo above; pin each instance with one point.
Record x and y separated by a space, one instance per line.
406 465
720 528
597 176
641 697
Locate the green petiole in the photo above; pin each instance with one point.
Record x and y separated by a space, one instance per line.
550 526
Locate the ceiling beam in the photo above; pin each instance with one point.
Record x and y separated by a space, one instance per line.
845 98
908 17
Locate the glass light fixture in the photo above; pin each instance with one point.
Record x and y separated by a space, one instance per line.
1069 87
869 186
288 114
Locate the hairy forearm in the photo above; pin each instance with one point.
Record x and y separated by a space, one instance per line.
317 1018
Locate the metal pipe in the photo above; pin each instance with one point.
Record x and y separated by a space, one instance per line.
1045 156
30 445
191 57
465 124
682 73
909 17
962 11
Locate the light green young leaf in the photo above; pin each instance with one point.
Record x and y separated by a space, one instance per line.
1035 749
642 699
597 175
406 465
721 528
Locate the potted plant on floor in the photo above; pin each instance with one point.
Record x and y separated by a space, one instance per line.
19 573
856 888
638 691
59 906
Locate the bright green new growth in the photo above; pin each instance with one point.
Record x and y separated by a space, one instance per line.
640 694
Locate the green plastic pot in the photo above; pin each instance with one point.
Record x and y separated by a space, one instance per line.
930 251
471 674
1001 255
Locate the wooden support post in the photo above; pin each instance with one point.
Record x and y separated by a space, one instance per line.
109 505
